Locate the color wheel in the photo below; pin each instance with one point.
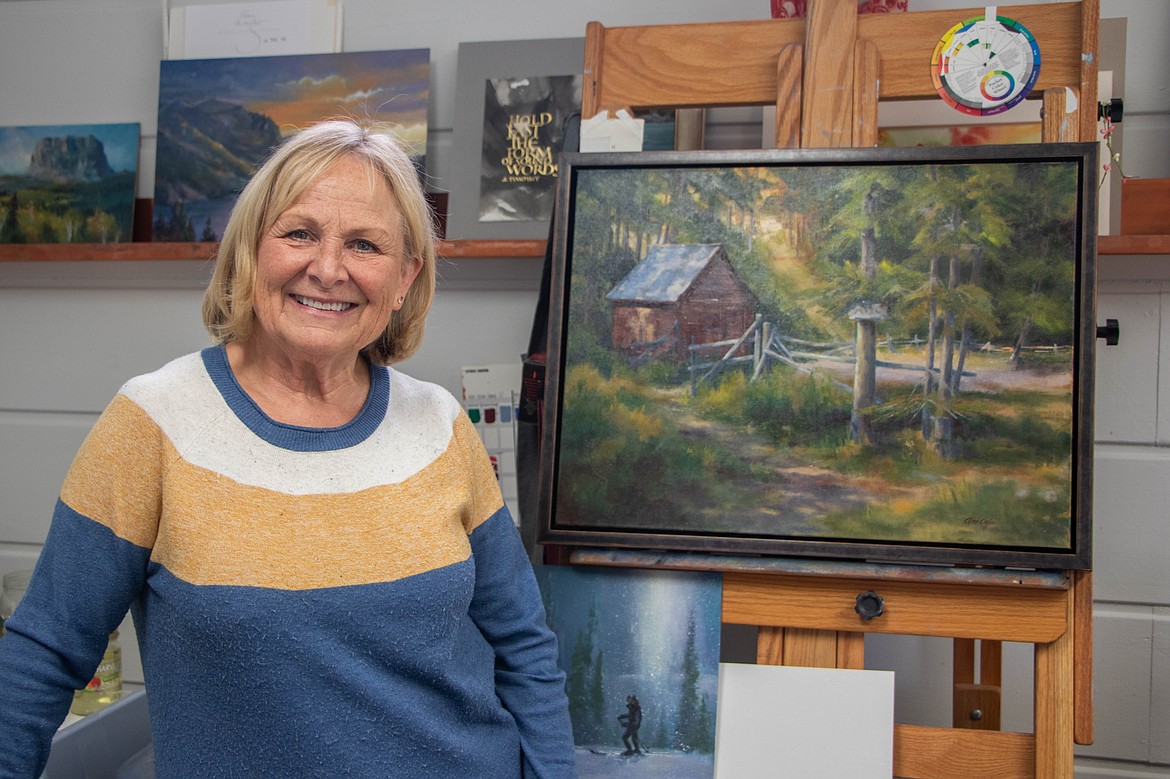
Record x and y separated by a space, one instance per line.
985 65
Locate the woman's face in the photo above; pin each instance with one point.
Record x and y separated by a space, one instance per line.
330 272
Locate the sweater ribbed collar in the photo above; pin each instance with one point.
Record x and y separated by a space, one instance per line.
296 437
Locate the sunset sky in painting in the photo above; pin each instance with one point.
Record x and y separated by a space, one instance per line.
382 86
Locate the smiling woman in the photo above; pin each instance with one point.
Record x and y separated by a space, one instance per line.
298 172
309 540
330 275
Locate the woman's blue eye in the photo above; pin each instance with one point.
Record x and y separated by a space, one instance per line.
364 246
299 234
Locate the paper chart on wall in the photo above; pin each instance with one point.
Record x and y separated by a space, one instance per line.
490 395
258 29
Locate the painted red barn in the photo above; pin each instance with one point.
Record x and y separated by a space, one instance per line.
678 295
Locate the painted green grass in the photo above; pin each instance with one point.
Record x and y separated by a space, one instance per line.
1031 512
634 464
630 464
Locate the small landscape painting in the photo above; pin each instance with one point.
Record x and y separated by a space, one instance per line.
640 649
218 119
68 183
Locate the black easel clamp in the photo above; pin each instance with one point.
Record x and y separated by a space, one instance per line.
1110 331
1114 110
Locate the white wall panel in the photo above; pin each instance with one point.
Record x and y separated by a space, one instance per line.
77 87
1131 492
1146 61
1163 435
1160 688
1102 769
923 680
1126 388
1145 137
472 328
1121 674
70 349
35 453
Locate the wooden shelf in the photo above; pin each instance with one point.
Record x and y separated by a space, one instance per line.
103 252
455 250
1133 244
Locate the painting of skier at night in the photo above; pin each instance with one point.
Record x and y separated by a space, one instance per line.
640 650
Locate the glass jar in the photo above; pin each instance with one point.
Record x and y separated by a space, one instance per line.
15 584
106 685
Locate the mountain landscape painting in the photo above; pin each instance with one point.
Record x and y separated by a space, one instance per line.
640 650
218 119
68 183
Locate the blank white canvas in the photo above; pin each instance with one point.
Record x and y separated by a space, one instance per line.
774 722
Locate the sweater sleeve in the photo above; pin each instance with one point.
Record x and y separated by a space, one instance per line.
508 610
84 582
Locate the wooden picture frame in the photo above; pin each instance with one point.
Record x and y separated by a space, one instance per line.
701 393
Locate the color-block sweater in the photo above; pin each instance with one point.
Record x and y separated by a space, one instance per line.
342 602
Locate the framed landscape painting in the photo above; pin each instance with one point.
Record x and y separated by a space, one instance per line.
218 119
68 183
880 354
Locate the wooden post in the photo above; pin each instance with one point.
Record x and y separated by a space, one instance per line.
866 86
1054 704
789 74
591 80
829 40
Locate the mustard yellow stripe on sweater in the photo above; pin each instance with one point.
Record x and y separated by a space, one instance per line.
214 530
124 442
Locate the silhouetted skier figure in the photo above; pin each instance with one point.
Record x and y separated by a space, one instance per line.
631 721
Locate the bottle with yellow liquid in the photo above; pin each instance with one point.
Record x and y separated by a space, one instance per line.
106 685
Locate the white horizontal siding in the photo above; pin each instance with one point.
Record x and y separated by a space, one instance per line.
1121 655
35 452
1131 524
1126 388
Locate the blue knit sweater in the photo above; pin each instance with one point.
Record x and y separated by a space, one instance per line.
344 602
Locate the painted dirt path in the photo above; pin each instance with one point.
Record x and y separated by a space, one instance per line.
785 495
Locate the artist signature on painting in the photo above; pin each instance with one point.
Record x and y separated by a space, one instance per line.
979 521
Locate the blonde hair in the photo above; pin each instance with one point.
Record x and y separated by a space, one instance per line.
227 304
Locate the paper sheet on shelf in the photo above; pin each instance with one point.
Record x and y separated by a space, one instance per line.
601 133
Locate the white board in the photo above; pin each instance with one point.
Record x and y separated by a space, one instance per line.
806 723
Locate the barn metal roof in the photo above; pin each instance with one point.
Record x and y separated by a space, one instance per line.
666 272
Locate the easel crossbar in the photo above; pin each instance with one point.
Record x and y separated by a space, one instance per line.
920 752
642 64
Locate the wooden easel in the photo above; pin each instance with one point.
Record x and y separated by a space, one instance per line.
825 75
